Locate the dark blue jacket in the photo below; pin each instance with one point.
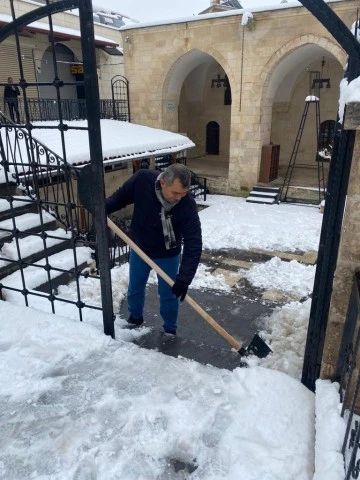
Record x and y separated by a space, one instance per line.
146 228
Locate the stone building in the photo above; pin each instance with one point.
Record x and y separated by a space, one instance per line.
234 81
36 52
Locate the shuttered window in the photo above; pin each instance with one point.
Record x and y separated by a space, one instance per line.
10 68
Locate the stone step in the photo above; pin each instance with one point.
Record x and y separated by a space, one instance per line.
20 205
253 199
26 223
36 276
259 188
176 346
258 193
31 250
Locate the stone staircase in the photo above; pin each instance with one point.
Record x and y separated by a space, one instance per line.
267 195
29 241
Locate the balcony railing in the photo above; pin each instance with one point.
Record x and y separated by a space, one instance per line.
71 109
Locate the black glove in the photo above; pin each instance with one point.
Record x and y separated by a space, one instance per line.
180 288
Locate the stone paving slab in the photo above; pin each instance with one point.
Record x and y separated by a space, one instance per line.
238 315
241 313
176 346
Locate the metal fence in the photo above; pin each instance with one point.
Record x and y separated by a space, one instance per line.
348 374
198 185
49 184
71 109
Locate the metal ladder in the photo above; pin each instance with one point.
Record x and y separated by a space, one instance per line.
310 100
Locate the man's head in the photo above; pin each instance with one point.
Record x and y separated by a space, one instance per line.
175 182
10 80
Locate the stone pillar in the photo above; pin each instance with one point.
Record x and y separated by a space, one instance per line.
348 261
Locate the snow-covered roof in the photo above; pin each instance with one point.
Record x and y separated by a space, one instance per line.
64 31
121 141
113 17
230 13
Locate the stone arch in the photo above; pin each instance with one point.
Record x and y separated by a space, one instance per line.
279 83
290 47
65 59
186 85
185 62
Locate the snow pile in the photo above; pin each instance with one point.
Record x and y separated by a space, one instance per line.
288 330
76 404
291 277
328 456
231 222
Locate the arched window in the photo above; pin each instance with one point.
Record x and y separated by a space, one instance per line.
212 138
65 61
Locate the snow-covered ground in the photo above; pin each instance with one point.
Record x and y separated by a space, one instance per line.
78 405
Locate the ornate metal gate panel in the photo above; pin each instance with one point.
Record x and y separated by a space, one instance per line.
120 98
44 230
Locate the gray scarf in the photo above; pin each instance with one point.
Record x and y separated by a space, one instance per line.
168 231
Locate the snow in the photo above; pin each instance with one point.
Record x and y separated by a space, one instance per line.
122 141
231 13
311 99
349 91
44 27
77 404
234 223
293 277
328 455
24 222
246 17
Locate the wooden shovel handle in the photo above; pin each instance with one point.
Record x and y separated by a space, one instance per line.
231 340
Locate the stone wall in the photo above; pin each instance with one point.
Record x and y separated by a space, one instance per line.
36 44
170 68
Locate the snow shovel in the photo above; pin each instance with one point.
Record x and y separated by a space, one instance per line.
257 345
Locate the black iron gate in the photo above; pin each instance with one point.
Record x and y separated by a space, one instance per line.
38 186
120 98
348 375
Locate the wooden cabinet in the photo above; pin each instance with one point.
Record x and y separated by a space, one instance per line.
269 165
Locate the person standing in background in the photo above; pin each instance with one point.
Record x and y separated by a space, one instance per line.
11 93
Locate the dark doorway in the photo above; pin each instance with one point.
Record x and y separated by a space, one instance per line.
212 138
326 140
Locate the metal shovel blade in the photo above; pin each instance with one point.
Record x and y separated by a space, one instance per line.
257 347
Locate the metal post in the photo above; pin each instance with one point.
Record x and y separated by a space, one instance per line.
339 173
93 118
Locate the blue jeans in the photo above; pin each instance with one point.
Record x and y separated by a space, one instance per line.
138 275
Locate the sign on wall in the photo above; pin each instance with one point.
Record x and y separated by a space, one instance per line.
77 69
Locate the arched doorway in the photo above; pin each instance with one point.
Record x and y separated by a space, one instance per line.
212 138
285 91
68 70
195 105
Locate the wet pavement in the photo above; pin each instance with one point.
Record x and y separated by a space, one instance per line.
241 313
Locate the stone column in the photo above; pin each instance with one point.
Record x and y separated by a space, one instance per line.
348 261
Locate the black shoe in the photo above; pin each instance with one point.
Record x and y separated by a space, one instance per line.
170 332
135 321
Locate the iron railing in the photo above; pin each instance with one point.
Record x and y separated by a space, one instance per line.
71 109
198 185
28 164
40 173
348 375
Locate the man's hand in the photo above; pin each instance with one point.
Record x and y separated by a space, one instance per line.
179 289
